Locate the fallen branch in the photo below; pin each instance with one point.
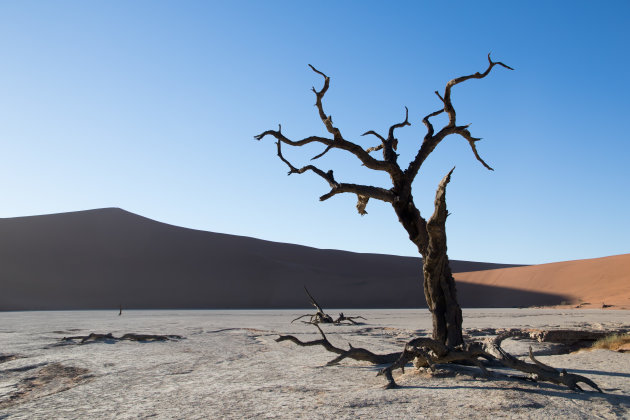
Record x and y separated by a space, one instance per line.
321 317
350 319
355 353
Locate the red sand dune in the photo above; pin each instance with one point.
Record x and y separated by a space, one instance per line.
589 283
103 258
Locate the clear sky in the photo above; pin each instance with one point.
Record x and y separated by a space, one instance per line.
152 106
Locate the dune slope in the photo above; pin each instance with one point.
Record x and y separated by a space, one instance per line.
588 283
109 257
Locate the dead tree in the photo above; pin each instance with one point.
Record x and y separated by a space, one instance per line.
429 236
321 317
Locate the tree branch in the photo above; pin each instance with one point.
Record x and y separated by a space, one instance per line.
375 148
363 192
428 124
328 176
355 353
390 136
279 136
431 140
338 141
463 131
448 106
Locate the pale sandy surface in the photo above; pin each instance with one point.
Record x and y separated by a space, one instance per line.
589 283
229 366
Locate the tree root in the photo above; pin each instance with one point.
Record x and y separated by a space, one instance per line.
537 370
429 352
93 338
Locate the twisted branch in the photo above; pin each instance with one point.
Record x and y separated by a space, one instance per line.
448 106
432 139
355 353
390 136
429 352
363 192
375 148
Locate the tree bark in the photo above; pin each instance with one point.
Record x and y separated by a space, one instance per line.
439 285
441 296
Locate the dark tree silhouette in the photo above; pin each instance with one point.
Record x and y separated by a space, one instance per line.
429 236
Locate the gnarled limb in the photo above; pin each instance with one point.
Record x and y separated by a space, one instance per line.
363 192
355 353
338 141
323 341
463 131
448 106
375 148
428 352
431 140
537 370
328 176
390 136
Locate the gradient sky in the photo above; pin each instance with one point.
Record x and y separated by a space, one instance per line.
152 107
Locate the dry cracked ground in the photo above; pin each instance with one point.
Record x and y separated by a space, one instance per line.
228 365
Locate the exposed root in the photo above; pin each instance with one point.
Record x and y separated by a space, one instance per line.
537 370
427 352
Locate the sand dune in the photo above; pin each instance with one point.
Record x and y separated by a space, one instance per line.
589 283
103 258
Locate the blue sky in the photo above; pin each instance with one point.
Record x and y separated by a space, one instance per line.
152 107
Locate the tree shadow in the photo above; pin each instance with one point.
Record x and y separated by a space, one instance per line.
474 375
599 372
548 390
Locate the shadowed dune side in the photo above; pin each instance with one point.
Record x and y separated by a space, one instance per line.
589 283
99 259
472 295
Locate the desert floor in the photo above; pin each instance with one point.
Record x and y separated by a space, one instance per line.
229 366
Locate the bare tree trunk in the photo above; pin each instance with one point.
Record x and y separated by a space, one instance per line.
439 285
441 296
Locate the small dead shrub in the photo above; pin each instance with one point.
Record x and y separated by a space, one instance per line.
612 342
